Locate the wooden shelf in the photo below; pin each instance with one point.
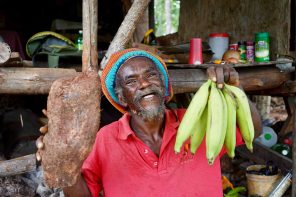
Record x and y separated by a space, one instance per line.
261 154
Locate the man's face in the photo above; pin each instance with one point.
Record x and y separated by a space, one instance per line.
142 87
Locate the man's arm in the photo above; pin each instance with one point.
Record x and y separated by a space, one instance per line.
80 189
256 119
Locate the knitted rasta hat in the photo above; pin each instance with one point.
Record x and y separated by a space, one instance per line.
116 60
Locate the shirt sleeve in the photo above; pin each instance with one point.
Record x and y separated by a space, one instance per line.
91 170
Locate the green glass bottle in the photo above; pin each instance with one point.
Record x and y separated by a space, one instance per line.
282 149
79 41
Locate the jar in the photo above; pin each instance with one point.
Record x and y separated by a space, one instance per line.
242 49
262 47
250 51
219 44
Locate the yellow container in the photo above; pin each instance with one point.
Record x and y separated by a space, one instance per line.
260 184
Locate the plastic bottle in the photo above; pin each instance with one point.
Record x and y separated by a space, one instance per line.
268 137
79 41
262 47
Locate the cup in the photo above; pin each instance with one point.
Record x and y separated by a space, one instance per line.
195 53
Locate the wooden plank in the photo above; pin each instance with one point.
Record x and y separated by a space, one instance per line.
207 65
30 80
18 165
262 154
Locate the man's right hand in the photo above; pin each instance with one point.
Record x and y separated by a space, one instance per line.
39 142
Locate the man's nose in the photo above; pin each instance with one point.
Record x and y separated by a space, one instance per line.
143 82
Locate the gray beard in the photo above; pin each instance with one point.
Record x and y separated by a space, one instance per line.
152 114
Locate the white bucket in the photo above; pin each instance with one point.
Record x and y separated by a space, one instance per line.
219 43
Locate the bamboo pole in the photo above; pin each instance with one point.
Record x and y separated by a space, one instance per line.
126 29
90 28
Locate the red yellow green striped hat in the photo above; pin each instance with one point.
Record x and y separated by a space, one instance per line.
116 60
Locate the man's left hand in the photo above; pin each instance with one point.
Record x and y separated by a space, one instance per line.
223 74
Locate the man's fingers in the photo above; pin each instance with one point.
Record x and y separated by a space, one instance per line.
39 142
38 156
44 111
43 129
212 73
234 78
227 70
220 77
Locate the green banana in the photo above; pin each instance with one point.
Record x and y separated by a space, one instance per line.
244 117
199 132
192 114
230 139
224 122
215 133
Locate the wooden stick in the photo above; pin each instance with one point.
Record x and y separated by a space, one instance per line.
18 165
90 27
126 29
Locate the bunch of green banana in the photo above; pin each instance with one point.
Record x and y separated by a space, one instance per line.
214 114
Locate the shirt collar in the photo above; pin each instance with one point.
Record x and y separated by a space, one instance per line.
125 129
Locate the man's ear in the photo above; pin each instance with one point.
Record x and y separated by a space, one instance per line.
122 100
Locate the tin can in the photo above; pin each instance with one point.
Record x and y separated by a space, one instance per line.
262 47
250 51
242 49
233 47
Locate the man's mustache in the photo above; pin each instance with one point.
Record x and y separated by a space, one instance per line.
158 91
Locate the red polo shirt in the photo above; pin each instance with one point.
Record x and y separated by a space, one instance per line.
122 165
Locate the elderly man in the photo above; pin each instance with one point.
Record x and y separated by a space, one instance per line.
135 156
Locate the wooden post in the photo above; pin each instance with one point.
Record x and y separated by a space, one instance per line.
126 29
90 28
263 106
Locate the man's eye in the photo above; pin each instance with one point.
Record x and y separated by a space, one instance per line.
151 75
130 82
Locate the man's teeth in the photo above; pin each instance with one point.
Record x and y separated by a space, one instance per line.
148 96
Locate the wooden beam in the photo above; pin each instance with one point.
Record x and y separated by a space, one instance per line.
254 80
251 78
30 80
18 165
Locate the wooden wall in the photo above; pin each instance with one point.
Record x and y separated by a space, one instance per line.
240 18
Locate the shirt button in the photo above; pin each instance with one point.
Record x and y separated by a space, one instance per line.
155 163
145 151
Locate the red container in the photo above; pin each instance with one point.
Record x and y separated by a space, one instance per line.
195 53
